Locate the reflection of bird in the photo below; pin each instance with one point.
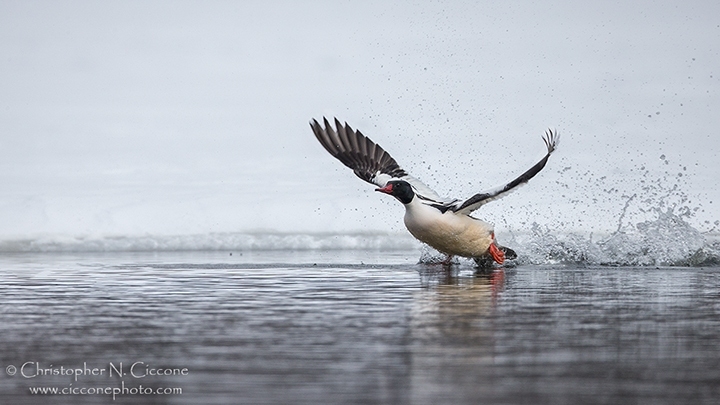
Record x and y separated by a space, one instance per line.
452 326
444 224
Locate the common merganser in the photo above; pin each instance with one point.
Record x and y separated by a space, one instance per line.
443 223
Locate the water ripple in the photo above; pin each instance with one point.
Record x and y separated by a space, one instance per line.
336 331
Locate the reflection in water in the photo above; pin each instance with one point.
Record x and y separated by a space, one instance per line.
454 310
452 329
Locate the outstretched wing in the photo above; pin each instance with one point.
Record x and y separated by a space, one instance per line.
551 139
367 159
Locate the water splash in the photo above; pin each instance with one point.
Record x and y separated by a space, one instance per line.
668 240
654 222
429 255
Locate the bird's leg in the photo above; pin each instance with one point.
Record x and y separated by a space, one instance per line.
497 254
447 261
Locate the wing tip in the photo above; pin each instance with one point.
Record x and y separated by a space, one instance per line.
314 123
551 139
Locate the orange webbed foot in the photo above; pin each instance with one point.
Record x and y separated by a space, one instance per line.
497 254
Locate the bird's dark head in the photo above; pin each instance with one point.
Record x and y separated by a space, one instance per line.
400 189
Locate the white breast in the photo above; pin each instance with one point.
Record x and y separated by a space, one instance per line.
449 233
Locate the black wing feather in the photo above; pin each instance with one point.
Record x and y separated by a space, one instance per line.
551 139
366 158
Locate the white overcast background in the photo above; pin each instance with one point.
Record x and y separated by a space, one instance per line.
177 117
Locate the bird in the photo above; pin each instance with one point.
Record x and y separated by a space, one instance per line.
443 223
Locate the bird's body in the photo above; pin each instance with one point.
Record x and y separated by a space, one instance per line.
444 224
448 232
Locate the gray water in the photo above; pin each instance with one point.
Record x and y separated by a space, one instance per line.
308 327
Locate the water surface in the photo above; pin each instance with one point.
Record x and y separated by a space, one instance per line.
356 327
